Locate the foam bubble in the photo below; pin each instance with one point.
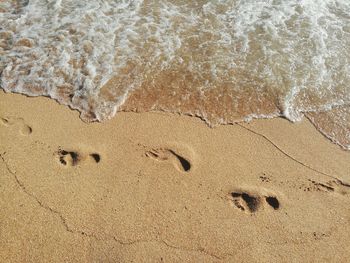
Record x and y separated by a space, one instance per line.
221 60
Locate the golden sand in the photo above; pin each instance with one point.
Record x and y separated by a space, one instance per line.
155 187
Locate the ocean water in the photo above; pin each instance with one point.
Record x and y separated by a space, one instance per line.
223 61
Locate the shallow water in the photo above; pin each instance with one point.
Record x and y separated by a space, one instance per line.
223 61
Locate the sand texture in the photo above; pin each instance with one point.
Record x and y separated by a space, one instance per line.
155 187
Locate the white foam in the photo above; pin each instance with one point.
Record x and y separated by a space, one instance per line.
299 49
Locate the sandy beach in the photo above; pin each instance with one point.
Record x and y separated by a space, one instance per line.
156 187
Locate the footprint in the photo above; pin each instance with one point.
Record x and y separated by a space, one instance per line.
24 129
245 201
252 202
69 157
96 157
180 162
73 158
334 186
273 202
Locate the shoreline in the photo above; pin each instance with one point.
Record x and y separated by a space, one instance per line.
245 120
159 187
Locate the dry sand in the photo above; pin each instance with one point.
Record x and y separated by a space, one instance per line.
155 187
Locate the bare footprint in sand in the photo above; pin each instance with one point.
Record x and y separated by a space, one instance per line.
250 202
23 128
165 154
73 158
334 186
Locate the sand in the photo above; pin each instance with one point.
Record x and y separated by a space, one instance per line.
154 187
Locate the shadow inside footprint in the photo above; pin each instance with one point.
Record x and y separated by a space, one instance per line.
73 158
167 154
25 130
245 201
4 121
273 202
253 202
68 157
186 166
96 157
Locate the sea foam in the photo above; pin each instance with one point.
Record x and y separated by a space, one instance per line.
223 61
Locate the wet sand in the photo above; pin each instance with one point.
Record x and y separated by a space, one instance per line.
156 187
